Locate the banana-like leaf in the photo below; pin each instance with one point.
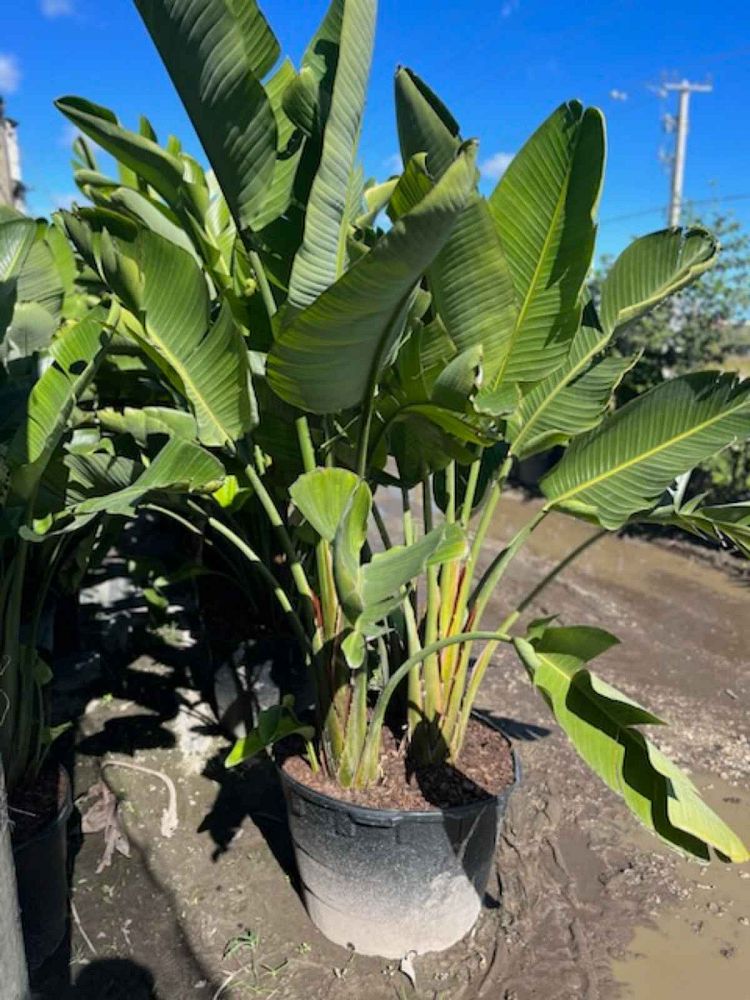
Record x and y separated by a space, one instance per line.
274 724
216 52
385 577
544 208
158 167
724 523
369 592
307 99
652 268
425 125
211 361
75 356
571 400
600 723
17 237
330 355
351 536
102 482
322 497
322 258
149 421
289 142
625 465
152 216
470 279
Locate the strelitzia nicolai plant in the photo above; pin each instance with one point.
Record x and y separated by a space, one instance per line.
454 343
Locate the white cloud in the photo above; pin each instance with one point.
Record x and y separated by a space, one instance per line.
10 74
393 163
509 8
494 167
57 8
618 95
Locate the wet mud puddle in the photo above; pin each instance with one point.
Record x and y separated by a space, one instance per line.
701 948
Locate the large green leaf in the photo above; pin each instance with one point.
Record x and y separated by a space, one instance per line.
210 360
652 268
385 577
626 464
322 497
307 100
75 356
571 400
148 422
289 141
330 354
425 125
274 724
216 52
724 523
101 482
600 721
322 258
17 236
544 209
470 279
158 167
369 592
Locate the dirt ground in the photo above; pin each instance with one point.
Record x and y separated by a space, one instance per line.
583 903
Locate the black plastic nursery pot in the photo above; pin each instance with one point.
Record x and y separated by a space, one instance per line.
41 876
389 882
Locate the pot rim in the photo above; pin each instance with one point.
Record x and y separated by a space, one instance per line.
369 815
61 817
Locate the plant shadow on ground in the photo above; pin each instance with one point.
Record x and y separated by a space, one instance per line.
111 976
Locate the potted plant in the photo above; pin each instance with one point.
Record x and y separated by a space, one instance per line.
56 478
37 405
430 356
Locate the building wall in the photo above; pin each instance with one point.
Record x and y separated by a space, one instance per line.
12 188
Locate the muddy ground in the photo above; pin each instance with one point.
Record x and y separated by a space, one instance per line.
583 903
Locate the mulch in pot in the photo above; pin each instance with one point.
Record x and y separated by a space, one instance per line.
484 770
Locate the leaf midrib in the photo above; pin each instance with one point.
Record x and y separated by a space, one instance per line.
535 277
644 456
550 397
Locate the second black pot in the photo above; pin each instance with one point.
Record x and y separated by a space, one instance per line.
42 878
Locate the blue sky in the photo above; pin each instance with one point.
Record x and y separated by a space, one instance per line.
501 65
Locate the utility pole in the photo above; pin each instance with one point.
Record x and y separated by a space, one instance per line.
684 89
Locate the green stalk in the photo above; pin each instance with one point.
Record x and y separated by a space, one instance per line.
496 570
370 755
476 547
295 566
555 572
448 577
415 694
471 489
476 606
415 697
265 289
328 602
456 729
277 589
356 730
381 526
433 695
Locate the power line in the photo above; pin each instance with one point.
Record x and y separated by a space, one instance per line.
660 208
